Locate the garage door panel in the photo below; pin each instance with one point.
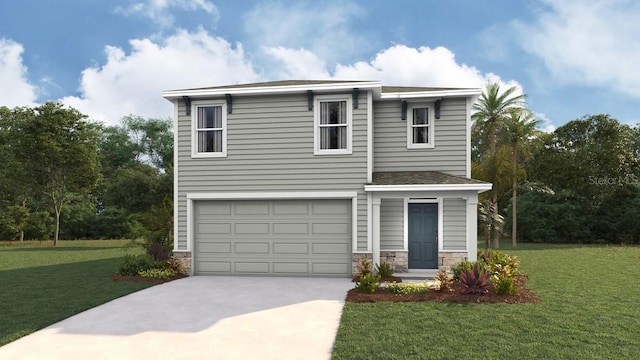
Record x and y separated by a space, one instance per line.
277 237
290 208
251 248
290 228
330 208
291 248
215 247
252 267
252 208
221 267
291 268
218 208
329 228
214 228
334 248
251 228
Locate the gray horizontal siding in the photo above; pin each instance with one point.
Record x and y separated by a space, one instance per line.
392 224
390 140
454 224
270 148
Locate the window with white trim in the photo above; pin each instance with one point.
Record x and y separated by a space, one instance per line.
209 121
420 127
332 119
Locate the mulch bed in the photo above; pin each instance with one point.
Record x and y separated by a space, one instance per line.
117 277
455 295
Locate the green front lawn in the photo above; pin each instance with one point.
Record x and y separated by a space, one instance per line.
40 284
589 310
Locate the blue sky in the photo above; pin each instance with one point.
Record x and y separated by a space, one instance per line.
113 58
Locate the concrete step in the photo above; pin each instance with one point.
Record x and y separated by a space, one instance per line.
417 275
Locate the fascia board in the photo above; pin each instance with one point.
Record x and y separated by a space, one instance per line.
434 187
195 93
430 94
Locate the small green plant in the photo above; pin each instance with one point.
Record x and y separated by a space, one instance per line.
133 264
368 283
476 280
408 288
504 286
499 262
364 266
444 280
156 273
384 269
460 267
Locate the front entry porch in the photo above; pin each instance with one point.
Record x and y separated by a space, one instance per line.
427 224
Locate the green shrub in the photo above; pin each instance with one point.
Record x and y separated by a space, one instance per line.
368 283
156 273
504 286
384 269
407 288
132 265
499 263
460 267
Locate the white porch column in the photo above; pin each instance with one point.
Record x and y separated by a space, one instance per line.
375 239
472 227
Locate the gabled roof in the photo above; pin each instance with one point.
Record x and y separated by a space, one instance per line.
320 86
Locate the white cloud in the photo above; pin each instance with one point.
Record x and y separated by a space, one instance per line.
15 89
296 64
594 42
546 124
159 11
131 83
324 28
423 66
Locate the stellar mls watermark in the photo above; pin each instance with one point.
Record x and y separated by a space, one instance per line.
629 179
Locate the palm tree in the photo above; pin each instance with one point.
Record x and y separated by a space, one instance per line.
497 170
490 112
520 127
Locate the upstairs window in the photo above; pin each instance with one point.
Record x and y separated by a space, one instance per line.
420 127
332 117
210 130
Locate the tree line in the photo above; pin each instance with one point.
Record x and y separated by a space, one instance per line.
577 184
63 176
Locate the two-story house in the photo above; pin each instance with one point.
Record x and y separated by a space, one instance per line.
307 177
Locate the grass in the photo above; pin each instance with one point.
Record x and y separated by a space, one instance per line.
41 284
589 310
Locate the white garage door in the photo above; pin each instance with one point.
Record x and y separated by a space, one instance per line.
279 237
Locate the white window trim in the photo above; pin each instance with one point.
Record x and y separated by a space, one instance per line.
194 128
431 143
316 122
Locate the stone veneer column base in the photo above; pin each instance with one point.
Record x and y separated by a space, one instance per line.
448 259
398 259
184 258
356 259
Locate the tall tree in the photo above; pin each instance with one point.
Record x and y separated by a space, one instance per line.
490 112
520 127
57 150
590 158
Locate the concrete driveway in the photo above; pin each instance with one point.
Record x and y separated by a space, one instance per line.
200 318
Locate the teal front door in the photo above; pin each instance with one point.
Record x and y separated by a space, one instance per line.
423 236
